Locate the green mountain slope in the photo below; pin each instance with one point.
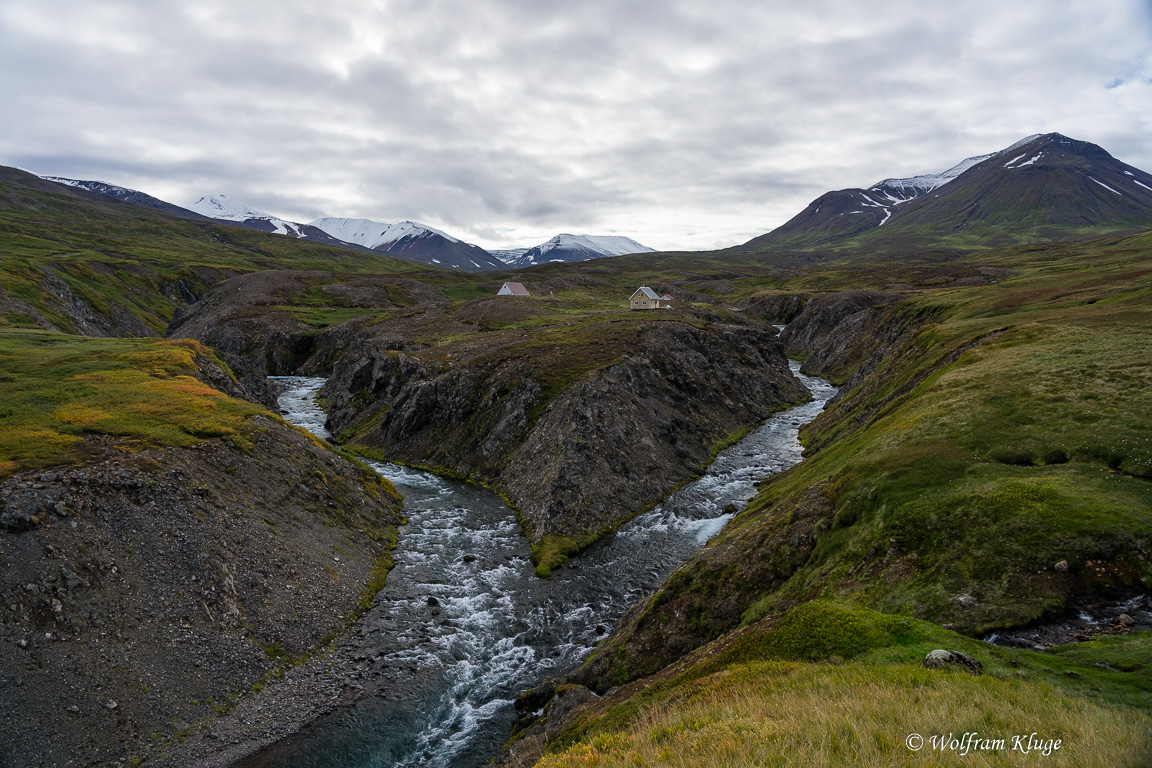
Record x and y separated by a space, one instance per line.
1048 189
81 262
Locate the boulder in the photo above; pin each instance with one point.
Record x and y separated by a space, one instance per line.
939 659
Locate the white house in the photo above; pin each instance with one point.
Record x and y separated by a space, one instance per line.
513 289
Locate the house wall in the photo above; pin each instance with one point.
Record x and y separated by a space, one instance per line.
640 301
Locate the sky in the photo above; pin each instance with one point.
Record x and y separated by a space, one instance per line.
683 124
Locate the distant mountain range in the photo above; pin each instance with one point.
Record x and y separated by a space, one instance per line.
407 240
1042 188
571 248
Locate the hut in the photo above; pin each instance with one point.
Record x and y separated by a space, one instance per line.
513 289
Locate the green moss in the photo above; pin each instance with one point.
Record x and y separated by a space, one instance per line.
821 630
55 389
553 550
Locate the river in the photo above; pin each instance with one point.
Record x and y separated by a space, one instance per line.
464 625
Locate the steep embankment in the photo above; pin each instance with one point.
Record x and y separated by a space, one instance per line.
580 428
990 471
162 546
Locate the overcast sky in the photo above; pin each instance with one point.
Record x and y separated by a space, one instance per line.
694 124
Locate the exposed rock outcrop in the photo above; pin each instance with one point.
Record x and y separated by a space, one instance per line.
939 659
575 461
142 592
247 320
836 332
776 307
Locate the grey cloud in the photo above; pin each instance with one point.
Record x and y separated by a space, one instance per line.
511 117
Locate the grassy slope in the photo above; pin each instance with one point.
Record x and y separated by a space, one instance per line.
114 254
830 684
56 389
1024 450
953 472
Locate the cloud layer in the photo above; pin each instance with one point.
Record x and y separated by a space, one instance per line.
681 124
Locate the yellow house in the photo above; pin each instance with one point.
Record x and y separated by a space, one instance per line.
646 298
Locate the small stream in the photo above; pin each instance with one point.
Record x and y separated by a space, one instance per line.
464 625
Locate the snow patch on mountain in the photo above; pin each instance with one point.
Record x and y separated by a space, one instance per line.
1106 186
902 190
226 209
375 234
508 255
1021 143
80 184
607 245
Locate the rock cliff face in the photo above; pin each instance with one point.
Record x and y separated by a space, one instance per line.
836 331
142 592
582 459
247 320
775 307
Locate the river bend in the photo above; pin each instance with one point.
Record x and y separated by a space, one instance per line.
464 625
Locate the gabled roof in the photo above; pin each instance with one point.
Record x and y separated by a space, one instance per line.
517 289
651 294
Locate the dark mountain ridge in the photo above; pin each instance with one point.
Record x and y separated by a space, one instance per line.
1045 188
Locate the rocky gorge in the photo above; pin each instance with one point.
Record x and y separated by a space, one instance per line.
590 453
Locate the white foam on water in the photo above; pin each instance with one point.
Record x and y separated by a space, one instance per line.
497 629
706 529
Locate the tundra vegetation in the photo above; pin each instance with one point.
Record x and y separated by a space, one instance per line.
992 424
998 433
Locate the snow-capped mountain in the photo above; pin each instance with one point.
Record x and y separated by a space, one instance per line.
226 209
508 255
567 247
373 234
123 193
407 240
1043 187
410 240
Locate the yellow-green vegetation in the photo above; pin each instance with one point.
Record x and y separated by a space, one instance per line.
55 389
553 550
795 714
831 684
1010 438
1003 433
